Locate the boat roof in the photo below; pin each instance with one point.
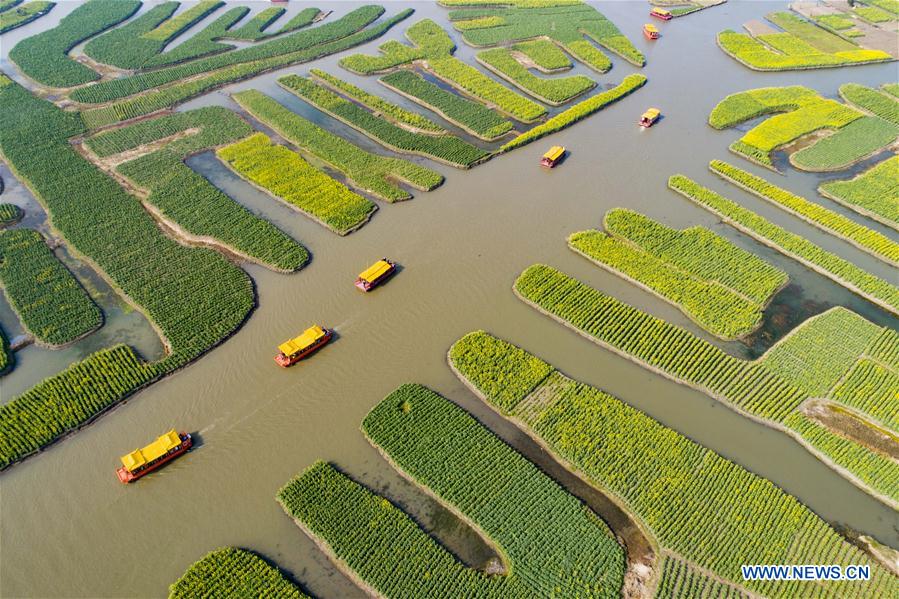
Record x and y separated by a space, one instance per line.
652 112
156 449
661 11
376 270
301 342
650 27
554 153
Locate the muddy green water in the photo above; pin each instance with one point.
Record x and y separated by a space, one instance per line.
69 528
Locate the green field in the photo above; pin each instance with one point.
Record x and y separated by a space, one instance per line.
763 388
874 193
718 285
695 503
445 450
231 573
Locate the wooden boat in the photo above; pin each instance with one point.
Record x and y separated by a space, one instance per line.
552 156
157 454
375 274
308 342
650 117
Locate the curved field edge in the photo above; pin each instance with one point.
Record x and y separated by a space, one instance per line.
232 573
594 435
743 386
111 234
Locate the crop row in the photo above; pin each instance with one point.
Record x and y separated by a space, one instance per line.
202 43
579 111
680 579
68 400
675 352
878 103
472 116
171 28
7 359
9 213
552 91
188 199
378 105
447 451
44 56
822 350
371 172
285 175
306 41
720 286
567 25
872 14
230 573
22 15
128 47
795 246
445 148
194 297
871 388
788 51
872 193
167 96
867 239
47 298
781 129
712 512
545 55
751 104
434 48
891 6
856 141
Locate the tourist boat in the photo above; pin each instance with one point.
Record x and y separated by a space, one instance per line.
650 117
154 456
291 352
661 13
650 31
375 274
552 156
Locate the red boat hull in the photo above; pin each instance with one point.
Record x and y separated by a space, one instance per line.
367 286
548 163
126 476
662 17
650 36
288 361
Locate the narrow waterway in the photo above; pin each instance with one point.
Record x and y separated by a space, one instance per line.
69 528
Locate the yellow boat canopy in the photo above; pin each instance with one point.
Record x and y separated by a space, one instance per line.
652 113
376 270
297 344
661 11
156 449
554 153
650 27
